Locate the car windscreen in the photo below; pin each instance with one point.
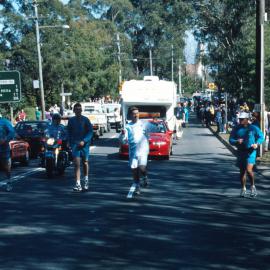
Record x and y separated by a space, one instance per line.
156 127
32 127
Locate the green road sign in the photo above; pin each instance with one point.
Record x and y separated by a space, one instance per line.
10 86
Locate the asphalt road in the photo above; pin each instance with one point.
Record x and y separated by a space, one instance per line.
191 217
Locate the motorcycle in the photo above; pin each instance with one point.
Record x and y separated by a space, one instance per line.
56 159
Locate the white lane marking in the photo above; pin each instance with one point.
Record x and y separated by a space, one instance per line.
131 191
19 177
114 136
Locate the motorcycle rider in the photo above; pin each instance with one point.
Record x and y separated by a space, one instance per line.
57 131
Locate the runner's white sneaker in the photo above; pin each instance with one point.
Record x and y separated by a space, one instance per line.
253 192
86 185
77 188
243 192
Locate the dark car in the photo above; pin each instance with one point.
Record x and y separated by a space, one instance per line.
32 132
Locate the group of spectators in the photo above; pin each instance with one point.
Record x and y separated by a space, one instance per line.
215 113
22 116
210 113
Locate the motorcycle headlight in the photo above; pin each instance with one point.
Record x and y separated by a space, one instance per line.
50 141
159 143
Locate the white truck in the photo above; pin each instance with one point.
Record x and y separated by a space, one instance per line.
97 116
109 109
153 97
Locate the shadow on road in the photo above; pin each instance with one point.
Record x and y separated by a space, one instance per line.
191 217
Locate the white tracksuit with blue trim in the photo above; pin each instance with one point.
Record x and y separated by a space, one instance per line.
136 135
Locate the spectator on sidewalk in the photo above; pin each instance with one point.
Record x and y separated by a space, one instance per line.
186 114
246 137
266 126
22 115
179 115
38 114
117 118
218 120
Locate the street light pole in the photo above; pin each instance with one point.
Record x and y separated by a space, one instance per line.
39 62
151 63
172 65
260 17
119 58
180 78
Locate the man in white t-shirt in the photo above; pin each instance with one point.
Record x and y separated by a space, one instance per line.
136 135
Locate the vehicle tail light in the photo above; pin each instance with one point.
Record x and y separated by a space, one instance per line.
59 141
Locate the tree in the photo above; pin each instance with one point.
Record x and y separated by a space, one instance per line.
228 29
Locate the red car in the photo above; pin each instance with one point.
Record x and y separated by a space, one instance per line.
20 151
160 141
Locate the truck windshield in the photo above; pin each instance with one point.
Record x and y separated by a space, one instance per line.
147 112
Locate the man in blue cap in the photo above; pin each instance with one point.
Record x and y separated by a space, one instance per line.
246 137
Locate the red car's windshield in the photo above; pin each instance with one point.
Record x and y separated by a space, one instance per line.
156 127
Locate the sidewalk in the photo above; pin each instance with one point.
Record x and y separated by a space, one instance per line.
263 164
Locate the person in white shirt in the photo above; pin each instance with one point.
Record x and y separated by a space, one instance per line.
136 135
117 118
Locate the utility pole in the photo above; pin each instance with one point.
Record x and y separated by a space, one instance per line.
260 17
151 63
119 57
39 61
180 78
202 68
172 64
226 111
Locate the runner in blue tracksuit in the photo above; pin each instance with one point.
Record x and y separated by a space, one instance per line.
7 133
136 135
246 137
80 133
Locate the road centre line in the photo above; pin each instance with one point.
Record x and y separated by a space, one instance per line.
19 177
131 191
